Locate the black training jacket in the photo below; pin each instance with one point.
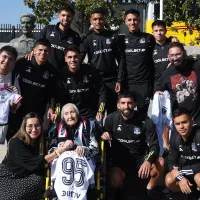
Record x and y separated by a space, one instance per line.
83 88
186 154
138 56
59 41
103 50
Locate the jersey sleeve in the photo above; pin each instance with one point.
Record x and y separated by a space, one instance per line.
152 140
16 98
84 48
25 158
108 127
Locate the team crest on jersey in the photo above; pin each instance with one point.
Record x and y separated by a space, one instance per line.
142 40
46 75
70 40
94 43
194 148
108 41
68 81
137 131
85 79
126 41
52 34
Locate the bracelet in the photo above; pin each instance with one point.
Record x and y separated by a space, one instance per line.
57 153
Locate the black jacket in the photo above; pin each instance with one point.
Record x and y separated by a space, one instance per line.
83 88
59 41
103 51
186 154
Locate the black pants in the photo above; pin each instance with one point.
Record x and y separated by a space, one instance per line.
142 93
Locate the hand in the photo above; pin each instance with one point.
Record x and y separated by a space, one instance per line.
51 115
79 150
68 144
14 89
175 172
118 87
29 56
99 116
106 136
184 185
159 92
144 170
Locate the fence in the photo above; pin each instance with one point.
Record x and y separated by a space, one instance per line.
9 32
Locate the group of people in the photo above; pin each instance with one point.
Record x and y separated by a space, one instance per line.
122 74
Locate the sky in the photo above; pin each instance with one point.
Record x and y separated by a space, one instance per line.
10 11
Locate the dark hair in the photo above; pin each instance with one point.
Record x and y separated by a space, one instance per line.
181 111
159 23
132 11
176 44
100 11
42 41
127 94
73 48
9 49
67 8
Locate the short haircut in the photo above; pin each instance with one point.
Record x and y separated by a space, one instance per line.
31 16
132 11
176 44
9 49
159 23
181 111
73 48
42 41
127 94
100 11
66 105
67 8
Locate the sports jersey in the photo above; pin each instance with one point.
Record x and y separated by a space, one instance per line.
6 97
138 56
37 85
161 61
84 88
72 176
185 154
103 50
184 87
59 41
130 137
162 114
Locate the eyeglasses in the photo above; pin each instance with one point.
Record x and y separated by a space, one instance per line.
31 126
175 55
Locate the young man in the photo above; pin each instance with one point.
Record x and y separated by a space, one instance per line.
139 64
81 84
103 49
184 154
134 145
37 81
60 36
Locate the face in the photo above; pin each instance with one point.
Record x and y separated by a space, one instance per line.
126 106
183 125
159 33
27 25
33 128
65 18
70 115
132 21
176 56
72 59
98 21
41 53
7 62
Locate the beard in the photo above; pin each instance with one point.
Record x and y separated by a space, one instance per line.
127 112
181 65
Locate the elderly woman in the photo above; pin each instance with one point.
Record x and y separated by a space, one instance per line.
76 130
22 170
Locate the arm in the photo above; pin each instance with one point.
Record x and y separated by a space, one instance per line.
84 48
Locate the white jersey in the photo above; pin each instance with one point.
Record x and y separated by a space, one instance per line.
162 113
6 97
72 176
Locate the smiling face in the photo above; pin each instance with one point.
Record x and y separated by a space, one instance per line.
132 21
27 25
70 115
7 62
72 58
176 56
41 54
33 128
65 18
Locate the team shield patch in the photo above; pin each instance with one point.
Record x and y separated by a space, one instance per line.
137 131
194 148
108 41
142 40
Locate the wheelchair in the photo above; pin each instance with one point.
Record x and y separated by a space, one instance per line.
100 179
